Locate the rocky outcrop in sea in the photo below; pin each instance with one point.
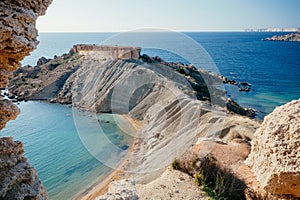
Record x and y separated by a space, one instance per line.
292 37
54 79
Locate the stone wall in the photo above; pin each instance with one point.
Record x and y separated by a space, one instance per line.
108 52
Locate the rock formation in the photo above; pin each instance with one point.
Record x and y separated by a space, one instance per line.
172 184
292 37
274 157
18 37
18 180
8 111
43 82
53 79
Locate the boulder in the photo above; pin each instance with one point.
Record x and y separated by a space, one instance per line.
9 111
42 61
18 180
233 106
275 153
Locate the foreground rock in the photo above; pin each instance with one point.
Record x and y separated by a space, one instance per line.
18 37
171 184
274 157
8 112
18 180
124 189
292 37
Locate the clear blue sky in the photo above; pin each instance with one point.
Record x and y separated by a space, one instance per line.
178 15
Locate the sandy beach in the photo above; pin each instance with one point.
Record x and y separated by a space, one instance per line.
101 186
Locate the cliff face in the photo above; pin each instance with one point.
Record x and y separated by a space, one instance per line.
18 180
18 39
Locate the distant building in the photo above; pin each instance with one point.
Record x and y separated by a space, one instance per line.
107 52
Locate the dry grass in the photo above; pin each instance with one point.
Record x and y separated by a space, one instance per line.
218 183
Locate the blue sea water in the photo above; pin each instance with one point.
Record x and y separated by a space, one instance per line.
48 131
273 68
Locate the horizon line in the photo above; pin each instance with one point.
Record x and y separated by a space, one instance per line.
166 30
121 31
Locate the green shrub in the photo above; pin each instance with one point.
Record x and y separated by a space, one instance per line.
198 179
175 164
217 182
180 70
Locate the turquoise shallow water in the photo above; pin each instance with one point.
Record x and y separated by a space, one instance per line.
54 148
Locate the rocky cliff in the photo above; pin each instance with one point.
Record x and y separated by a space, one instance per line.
17 39
18 180
53 79
292 37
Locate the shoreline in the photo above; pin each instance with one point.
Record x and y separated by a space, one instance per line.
100 187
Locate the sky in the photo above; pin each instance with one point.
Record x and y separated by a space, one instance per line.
176 15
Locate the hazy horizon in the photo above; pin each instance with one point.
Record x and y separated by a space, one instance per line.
175 15
181 31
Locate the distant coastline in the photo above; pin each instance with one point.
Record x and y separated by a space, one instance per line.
292 37
272 29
